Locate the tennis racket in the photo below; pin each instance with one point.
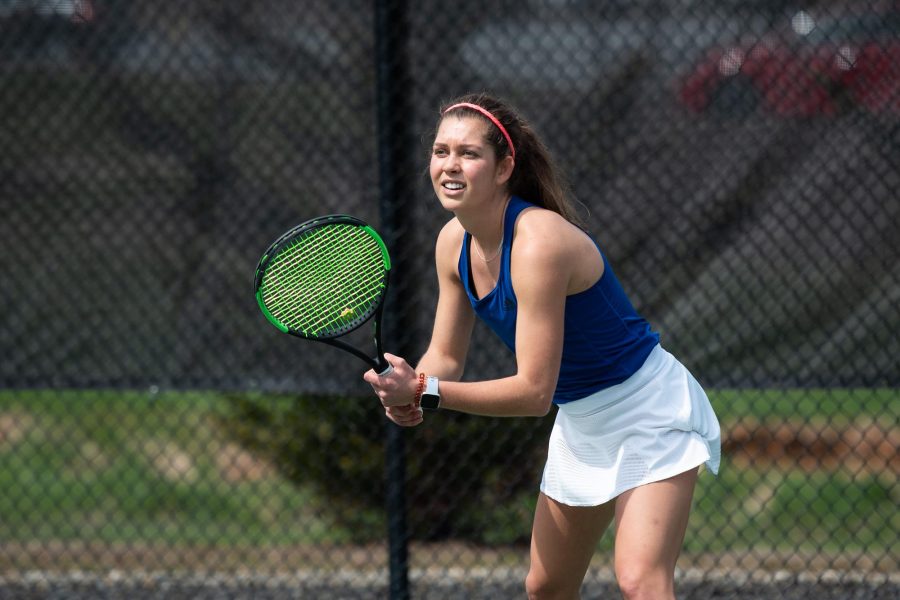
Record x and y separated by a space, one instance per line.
325 278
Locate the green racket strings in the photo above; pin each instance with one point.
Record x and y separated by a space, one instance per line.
325 281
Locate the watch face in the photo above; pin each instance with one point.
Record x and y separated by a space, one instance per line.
430 401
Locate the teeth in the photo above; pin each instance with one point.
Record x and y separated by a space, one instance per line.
450 185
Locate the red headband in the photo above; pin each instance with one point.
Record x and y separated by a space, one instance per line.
494 120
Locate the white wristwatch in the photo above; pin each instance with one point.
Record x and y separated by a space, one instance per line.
431 397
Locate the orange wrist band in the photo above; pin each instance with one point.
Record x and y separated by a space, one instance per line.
419 389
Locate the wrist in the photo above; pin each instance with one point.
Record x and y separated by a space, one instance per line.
431 395
420 388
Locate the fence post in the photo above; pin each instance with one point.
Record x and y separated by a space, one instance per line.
391 100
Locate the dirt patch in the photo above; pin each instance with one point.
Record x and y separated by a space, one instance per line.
869 448
171 461
13 428
237 464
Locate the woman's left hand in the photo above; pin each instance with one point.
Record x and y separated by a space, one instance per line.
405 416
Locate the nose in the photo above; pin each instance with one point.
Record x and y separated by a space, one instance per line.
451 163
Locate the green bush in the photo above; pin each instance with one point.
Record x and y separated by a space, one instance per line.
471 477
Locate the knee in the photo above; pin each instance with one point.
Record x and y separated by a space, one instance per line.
536 586
540 586
637 582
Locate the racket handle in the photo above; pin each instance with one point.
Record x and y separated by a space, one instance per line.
387 370
383 367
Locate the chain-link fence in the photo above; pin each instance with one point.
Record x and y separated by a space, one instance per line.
739 162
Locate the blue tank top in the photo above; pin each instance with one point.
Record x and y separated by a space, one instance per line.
605 340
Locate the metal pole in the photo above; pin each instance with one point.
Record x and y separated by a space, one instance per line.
391 100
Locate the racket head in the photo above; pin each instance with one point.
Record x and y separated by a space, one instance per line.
323 278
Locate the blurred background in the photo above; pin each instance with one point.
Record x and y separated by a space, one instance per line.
739 163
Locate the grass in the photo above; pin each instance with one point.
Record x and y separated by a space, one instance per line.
129 466
838 406
792 509
117 466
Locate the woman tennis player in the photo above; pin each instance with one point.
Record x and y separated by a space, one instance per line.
633 425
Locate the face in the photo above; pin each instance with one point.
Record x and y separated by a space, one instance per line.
464 169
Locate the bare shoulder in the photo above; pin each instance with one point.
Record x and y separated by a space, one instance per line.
451 232
450 237
550 247
447 247
547 232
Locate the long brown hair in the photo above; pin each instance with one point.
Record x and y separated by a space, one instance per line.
535 177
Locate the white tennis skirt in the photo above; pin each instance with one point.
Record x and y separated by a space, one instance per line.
652 426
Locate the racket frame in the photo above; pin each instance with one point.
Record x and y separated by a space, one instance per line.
378 362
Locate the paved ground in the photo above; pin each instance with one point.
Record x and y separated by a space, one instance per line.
424 586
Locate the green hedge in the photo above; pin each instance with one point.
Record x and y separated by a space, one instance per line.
469 477
99 465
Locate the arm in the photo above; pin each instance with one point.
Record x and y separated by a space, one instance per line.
543 263
454 319
446 353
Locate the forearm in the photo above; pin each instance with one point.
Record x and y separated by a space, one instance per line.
445 368
513 396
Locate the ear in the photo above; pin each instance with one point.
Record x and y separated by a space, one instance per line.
505 169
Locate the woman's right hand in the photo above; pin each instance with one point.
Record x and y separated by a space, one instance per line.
395 390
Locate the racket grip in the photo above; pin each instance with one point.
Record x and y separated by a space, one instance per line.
387 371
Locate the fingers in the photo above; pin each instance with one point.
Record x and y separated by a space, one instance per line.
399 364
371 377
399 369
396 387
396 390
405 416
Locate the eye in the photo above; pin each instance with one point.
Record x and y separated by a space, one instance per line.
439 151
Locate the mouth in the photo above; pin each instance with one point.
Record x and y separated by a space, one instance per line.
453 186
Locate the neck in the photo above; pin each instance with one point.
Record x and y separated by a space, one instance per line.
487 226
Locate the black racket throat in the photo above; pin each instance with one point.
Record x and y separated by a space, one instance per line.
378 363
382 366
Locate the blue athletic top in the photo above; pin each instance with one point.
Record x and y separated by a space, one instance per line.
605 339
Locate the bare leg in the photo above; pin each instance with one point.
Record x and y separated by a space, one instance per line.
650 524
563 541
